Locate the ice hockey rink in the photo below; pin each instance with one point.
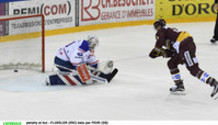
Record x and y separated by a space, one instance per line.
140 91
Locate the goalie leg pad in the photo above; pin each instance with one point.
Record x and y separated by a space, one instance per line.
63 63
55 80
58 79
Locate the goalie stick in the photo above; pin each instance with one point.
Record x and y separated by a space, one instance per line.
110 77
74 72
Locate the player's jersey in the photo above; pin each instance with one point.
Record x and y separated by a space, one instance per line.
77 52
166 37
170 38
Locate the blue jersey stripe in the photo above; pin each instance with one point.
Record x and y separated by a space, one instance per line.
84 46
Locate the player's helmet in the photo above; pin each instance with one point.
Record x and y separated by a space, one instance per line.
160 22
93 42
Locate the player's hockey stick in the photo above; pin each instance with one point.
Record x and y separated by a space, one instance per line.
74 72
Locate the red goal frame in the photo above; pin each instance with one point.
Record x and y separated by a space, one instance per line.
42 32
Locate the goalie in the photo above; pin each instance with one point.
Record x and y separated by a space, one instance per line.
77 65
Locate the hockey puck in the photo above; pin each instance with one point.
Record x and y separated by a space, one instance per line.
15 70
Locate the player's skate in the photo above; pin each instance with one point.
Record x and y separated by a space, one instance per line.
178 89
213 40
214 93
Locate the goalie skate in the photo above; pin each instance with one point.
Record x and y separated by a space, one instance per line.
47 82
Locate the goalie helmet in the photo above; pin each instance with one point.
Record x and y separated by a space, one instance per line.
160 23
93 42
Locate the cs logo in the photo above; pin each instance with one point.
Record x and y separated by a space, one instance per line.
79 54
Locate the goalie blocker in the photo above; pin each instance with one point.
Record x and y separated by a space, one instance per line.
84 75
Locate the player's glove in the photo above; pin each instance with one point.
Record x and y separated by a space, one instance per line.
156 52
166 53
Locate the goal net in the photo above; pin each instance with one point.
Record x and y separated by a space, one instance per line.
22 42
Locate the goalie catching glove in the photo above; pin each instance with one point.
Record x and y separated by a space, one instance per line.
106 66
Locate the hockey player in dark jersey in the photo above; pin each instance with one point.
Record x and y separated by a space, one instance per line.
179 46
215 36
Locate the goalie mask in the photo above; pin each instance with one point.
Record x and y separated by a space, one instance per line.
93 42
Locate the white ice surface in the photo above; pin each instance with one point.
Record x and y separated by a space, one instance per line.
140 91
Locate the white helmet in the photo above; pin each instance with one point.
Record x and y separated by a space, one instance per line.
93 42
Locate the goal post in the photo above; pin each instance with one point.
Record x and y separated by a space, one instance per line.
22 42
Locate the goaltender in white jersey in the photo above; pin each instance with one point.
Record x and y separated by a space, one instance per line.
72 61
76 53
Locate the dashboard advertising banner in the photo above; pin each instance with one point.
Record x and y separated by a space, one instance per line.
184 8
58 13
7 1
109 11
2 24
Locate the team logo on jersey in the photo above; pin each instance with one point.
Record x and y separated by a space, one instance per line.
80 54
